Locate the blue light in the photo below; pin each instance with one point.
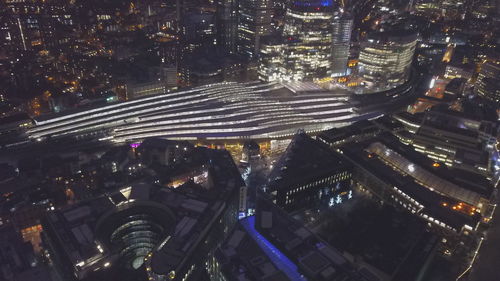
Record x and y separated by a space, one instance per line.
322 3
283 263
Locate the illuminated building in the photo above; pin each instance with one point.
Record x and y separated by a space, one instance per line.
488 81
271 58
226 25
385 59
221 111
309 174
32 25
446 198
314 44
458 71
215 111
254 22
19 261
308 34
162 233
165 82
454 141
341 38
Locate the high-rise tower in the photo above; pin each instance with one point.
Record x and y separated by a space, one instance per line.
341 38
385 58
308 35
253 23
488 81
227 25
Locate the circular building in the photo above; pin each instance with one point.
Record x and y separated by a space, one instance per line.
133 228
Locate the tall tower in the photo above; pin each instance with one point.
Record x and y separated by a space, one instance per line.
227 25
385 58
254 22
488 81
341 38
308 32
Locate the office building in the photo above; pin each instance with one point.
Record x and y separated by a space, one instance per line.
454 141
308 34
271 65
254 22
449 199
162 232
385 59
342 24
198 29
458 71
308 175
226 25
488 82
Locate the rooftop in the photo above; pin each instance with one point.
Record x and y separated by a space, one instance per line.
371 156
303 160
247 255
315 259
185 213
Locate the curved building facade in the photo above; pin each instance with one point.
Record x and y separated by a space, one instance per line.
308 33
385 59
218 111
133 229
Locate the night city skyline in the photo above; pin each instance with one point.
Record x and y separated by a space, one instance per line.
249 140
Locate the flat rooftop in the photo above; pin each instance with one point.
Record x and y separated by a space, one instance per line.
315 259
193 208
247 255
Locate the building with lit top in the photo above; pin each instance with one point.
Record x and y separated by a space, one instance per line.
308 35
385 59
314 44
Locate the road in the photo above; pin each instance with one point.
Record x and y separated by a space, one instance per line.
488 260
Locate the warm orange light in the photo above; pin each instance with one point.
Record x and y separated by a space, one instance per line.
445 204
454 208
435 165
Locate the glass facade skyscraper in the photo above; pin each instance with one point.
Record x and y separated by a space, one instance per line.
488 81
341 38
227 25
314 44
385 59
308 35
254 22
